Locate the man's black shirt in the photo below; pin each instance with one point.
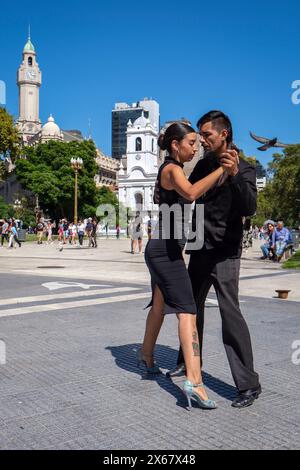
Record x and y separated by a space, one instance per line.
224 207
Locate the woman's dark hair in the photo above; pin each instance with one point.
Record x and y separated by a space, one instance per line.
176 131
219 121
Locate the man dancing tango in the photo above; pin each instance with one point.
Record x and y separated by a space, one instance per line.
217 263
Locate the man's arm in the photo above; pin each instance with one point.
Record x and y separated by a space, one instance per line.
244 187
197 172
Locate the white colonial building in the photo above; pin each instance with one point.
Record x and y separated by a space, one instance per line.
139 167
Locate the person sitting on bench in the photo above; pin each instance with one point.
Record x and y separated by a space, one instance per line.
281 240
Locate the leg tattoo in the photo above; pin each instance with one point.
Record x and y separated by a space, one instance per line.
195 344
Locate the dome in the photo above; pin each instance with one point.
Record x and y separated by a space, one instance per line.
141 122
29 47
50 128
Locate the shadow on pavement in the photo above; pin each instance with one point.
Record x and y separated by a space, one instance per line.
166 357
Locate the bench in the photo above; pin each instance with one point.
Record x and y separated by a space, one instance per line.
288 252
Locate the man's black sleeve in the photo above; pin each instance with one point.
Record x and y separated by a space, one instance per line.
245 192
196 174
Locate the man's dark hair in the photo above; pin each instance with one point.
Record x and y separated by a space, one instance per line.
219 121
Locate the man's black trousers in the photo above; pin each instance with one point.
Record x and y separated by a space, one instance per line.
206 270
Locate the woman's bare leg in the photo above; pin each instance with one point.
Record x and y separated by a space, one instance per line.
153 325
189 341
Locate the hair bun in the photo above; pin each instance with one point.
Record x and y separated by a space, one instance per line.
161 142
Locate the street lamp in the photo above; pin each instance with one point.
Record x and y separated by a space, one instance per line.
17 207
18 203
76 164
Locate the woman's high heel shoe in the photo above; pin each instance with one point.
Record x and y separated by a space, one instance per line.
190 393
141 362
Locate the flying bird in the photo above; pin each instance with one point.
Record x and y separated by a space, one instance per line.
268 143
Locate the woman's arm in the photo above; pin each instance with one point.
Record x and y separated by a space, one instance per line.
189 191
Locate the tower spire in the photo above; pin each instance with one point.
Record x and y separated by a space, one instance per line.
90 133
29 47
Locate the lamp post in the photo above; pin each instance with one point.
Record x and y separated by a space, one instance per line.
17 207
37 210
76 164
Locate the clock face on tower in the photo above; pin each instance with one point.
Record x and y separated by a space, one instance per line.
30 74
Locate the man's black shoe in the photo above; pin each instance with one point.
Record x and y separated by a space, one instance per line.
247 397
178 371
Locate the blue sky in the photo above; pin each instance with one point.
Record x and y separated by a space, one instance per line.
241 57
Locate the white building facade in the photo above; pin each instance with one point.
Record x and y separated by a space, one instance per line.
124 112
107 171
261 183
139 168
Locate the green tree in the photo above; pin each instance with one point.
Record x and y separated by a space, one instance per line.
105 197
6 210
250 160
22 212
9 141
264 208
46 171
281 197
260 169
284 190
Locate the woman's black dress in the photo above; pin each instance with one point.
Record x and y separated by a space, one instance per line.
163 255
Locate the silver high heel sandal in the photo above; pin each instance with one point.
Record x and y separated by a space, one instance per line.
141 362
190 393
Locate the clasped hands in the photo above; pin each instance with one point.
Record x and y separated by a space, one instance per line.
229 160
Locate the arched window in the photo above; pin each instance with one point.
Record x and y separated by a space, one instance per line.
138 144
30 61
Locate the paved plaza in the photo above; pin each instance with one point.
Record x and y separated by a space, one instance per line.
71 322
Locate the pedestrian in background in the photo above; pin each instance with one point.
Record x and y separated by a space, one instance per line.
81 229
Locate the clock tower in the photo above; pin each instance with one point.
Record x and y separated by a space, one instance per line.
29 80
